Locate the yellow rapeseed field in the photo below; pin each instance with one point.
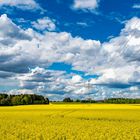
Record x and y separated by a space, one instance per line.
70 122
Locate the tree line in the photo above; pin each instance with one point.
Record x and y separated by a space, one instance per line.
123 101
78 100
29 99
110 100
22 99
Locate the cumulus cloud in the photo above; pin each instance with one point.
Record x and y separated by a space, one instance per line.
25 56
76 79
85 4
51 82
24 5
22 47
18 47
44 24
123 57
11 30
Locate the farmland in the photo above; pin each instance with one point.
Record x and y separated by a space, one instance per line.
70 122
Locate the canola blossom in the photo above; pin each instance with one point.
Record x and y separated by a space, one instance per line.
70 122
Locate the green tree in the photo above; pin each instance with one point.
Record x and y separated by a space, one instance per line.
67 100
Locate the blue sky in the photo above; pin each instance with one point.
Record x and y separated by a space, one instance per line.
58 48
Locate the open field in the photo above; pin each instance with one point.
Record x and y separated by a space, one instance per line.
70 122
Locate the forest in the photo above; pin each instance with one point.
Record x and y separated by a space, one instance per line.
109 100
29 99
22 99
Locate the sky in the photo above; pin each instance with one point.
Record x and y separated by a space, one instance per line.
70 48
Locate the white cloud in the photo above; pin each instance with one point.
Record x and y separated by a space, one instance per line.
26 54
44 24
135 88
85 4
136 6
20 91
21 4
10 30
76 79
52 82
131 25
123 57
83 24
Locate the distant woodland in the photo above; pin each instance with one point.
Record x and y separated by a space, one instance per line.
23 99
30 99
110 100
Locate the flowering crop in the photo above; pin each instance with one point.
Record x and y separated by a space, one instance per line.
70 122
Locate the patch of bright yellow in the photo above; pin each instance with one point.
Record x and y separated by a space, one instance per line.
70 122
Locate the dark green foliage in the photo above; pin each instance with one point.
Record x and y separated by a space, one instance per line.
110 100
3 96
122 101
23 99
5 102
77 100
88 101
68 100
